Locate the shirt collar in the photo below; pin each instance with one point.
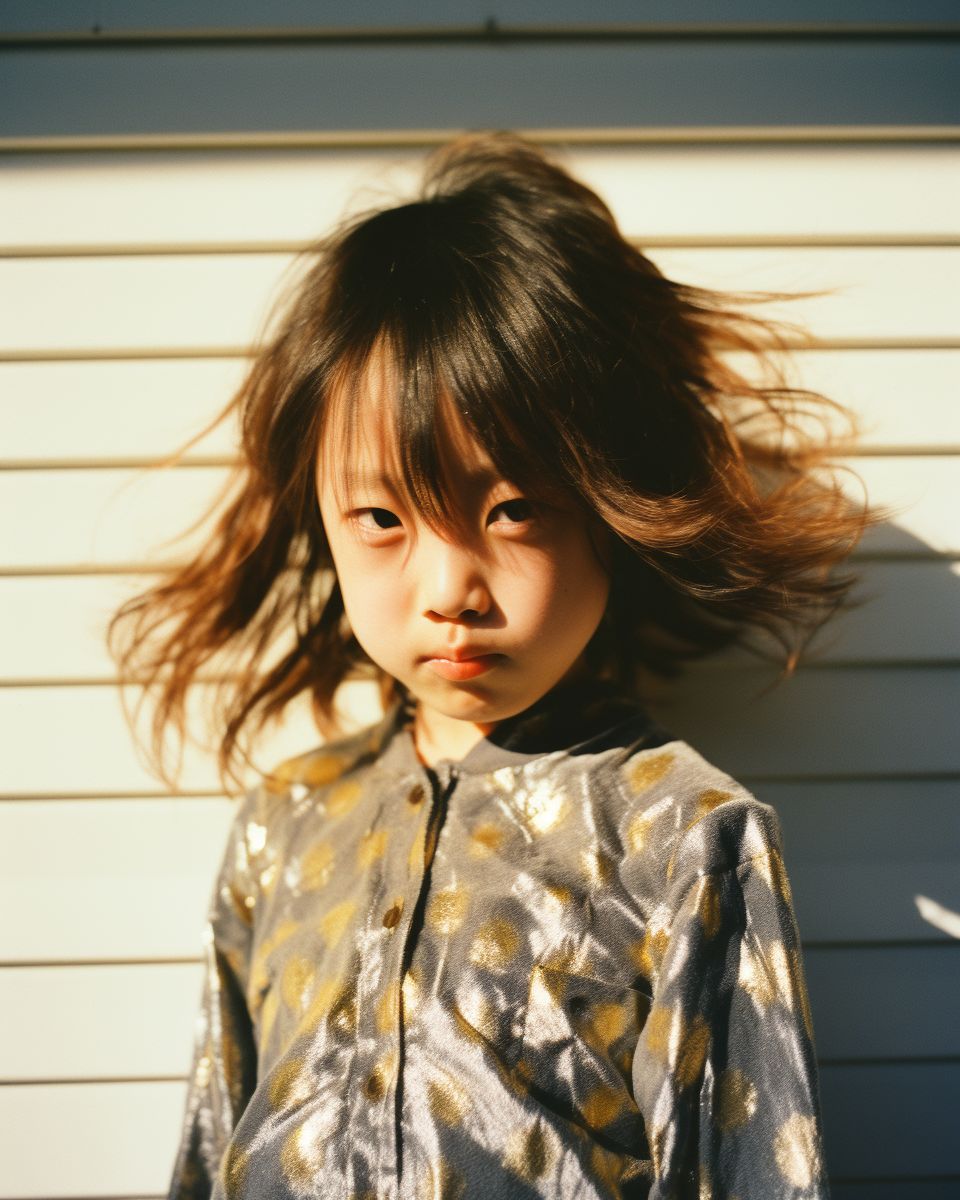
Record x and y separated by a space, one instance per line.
572 718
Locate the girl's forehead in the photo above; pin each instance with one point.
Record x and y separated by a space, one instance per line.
362 433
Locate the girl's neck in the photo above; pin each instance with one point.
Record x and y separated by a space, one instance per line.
437 737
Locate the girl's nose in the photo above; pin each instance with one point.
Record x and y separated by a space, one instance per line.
454 586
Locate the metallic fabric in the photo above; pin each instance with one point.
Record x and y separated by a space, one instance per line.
566 966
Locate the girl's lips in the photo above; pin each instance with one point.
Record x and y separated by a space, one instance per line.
461 669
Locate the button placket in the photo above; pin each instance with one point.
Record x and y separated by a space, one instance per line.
435 786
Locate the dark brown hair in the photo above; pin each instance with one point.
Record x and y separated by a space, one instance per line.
579 367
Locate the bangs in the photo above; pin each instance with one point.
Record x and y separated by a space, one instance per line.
422 430
442 351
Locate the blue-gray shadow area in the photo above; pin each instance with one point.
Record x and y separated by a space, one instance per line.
256 88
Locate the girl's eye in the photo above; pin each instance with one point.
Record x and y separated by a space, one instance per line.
513 512
374 520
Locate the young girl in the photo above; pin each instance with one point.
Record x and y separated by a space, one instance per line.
515 940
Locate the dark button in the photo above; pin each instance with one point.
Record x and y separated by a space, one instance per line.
416 794
374 1086
392 915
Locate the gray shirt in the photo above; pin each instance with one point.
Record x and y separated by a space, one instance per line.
566 966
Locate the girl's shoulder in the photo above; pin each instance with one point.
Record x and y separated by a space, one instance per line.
267 813
327 763
685 817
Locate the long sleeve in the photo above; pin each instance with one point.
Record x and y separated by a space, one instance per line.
223 1073
725 1072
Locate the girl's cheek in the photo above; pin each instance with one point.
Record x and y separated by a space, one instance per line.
532 599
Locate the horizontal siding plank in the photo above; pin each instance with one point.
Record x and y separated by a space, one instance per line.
865 302
142 884
852 721
112 1139
885 1002
252 88
856 856
72 519
836 823
120 1138
920 497
81 16
139 409
191 301
98 517
194 302
136 1021
146 409
173 199
903 399
908 611
137 890
891 1120
170 199
54 627
864 902
99 1022
73 740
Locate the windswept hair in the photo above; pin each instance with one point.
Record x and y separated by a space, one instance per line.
507 289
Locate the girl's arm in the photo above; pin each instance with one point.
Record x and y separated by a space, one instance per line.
223 1074
725 1070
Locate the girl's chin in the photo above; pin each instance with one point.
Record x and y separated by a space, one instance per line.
484 710
458 701
477 712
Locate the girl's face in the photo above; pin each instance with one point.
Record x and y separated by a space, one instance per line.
476 623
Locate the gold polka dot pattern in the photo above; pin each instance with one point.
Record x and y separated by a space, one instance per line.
566 965
797 1150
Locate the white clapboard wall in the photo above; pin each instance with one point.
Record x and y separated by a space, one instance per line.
135 272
